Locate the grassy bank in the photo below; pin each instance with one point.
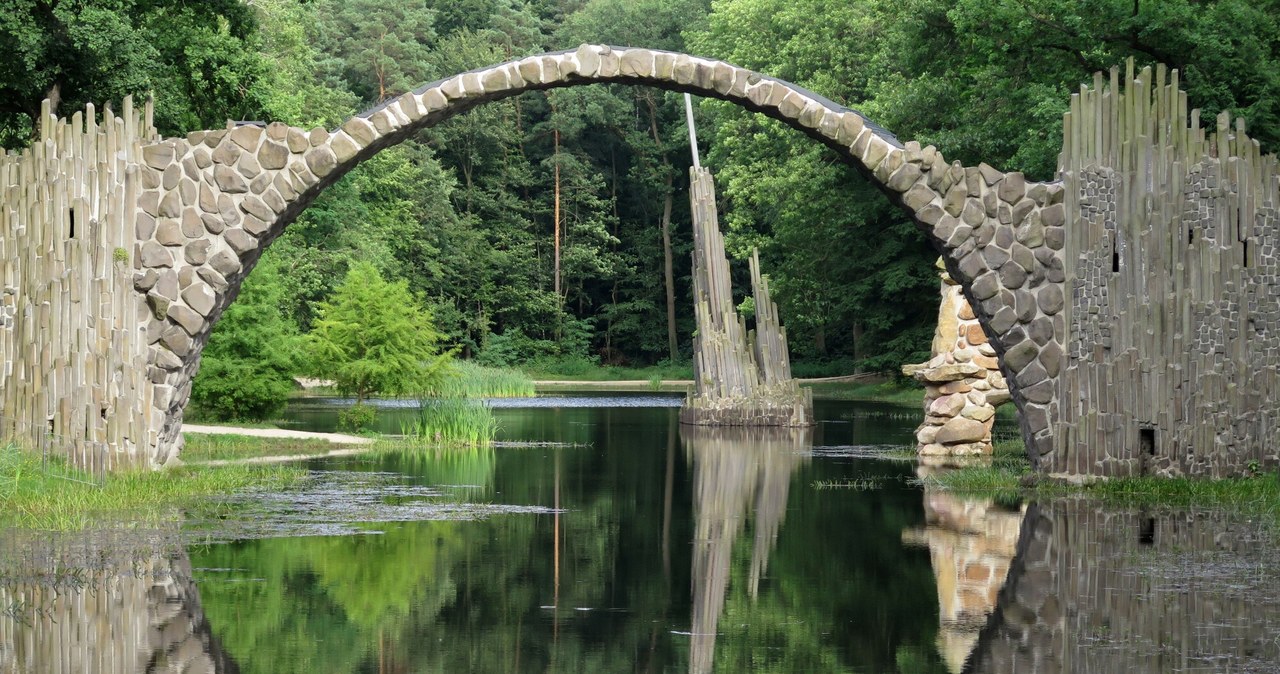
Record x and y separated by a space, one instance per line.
466 379
588 371
61 498
1009 477
200 447
888 391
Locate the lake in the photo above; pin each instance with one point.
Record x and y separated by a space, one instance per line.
599 535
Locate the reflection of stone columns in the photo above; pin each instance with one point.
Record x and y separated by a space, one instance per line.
139 612
971 543
734 470
1098 590
963 384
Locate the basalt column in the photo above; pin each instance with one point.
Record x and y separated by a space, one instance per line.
75 376
742 378
1172 363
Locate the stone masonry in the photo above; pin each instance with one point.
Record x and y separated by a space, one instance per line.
962 382
208 204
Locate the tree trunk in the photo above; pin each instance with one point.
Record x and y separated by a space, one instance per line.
556 213
668 273
857 344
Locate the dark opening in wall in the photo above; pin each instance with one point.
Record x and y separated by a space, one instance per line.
1246 253
1191 235
72 217
1115 260
1147 531
1147 441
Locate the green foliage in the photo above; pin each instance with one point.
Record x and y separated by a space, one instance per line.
453 421
201 59
358 417
54 496
374 337
246 372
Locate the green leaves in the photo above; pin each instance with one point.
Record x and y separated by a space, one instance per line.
246 371
374 337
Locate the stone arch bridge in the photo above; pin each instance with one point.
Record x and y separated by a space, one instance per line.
1132 302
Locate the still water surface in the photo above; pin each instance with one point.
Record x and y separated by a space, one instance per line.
637 545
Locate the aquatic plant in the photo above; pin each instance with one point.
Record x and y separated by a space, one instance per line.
452 421
467 379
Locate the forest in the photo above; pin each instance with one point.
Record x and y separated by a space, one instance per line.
464 216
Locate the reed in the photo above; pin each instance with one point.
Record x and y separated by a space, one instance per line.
452 421
467 379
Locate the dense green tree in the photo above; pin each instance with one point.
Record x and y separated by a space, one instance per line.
246 371
374 337
381 49
201 60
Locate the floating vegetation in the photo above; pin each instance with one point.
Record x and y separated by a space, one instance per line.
466 379
893 452
866 483
336 503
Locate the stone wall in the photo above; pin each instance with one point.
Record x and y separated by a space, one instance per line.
1173 280
962 382
73 358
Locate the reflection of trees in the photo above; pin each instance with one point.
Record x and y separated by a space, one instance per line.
735 471
103 606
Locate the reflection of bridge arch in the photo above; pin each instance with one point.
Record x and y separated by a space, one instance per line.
218 198
1094 589
111 611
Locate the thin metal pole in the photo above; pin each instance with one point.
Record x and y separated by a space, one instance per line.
693 133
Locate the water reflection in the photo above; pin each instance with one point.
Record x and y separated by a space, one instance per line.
1093 589
91 605
737 472
971 542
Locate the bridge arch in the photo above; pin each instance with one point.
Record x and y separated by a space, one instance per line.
209 204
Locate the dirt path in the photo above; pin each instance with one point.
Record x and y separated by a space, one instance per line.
277 433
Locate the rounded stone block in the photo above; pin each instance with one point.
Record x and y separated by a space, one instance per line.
273 155
321 161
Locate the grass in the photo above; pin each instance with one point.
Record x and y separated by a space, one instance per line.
1009 477
62 498
453 421
219 447
584 370
891 391
470 380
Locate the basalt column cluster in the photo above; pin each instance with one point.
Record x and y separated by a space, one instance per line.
742 377
73 360
1173 279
